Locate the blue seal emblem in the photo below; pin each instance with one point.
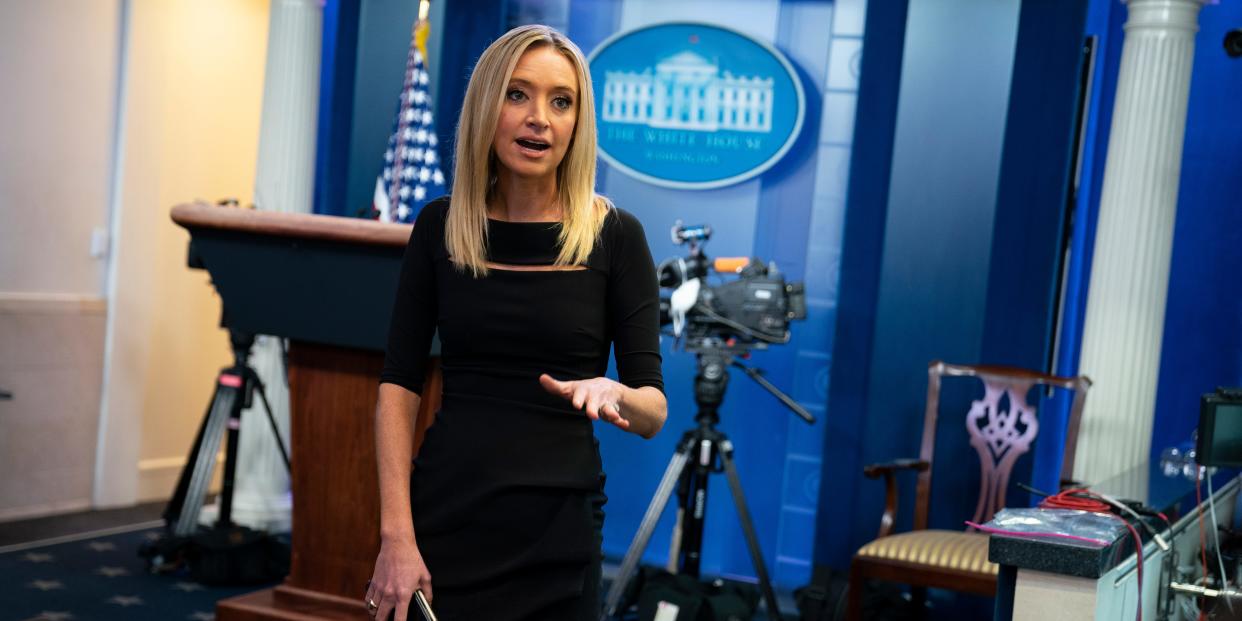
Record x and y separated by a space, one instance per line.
694 106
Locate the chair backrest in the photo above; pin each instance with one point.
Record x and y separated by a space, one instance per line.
998 435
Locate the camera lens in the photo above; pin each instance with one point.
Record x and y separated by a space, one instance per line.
1233 43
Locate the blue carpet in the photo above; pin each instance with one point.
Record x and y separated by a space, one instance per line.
100 578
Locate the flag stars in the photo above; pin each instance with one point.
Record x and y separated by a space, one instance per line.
420 136
409 115
438 177
51 615
407 173
403 211
404 192
424 174
420 193
125 601
45 585
430 157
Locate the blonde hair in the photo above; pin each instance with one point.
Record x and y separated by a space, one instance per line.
474 166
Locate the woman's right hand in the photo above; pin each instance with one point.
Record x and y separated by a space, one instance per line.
399 572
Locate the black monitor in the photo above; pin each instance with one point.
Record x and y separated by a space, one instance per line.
1220 428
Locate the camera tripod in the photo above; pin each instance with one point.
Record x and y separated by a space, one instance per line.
711 452
235 389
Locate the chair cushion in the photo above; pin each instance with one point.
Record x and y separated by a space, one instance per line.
944 549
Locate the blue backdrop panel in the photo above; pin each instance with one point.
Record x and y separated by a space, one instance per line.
1033 213
780 215
870 173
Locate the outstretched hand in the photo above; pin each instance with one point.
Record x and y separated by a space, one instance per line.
599 397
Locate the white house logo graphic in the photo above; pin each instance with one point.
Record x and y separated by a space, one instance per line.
693 106
687 92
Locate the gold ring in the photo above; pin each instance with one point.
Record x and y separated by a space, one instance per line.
372 606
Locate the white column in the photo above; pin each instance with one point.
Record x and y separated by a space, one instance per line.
284 181
1134 237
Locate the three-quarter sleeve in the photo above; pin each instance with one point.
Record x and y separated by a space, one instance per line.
413 320
634 305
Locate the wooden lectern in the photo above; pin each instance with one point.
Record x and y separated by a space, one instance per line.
327 284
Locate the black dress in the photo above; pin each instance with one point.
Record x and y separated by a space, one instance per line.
507 489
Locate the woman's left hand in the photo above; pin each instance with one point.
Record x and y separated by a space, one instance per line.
599 397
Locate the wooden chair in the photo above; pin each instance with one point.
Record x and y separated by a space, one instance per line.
958 560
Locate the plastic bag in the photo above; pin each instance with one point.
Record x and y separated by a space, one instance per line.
1098 529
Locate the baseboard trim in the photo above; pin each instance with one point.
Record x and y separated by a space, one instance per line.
18 302
157 476
43 510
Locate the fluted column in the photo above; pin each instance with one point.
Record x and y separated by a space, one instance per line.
1134 237
284 181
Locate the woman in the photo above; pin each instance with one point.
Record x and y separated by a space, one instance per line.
530 277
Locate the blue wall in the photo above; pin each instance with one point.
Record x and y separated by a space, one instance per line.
1202 341
919 263
922 267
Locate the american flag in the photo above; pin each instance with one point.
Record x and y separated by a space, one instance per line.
411 175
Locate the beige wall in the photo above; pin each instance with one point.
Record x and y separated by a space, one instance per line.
59 62
51 353
193 89
58 59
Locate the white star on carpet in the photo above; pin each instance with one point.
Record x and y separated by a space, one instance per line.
152 536
49 615
45 585
112 572
101 546
37 557
202 616
187 586
126 600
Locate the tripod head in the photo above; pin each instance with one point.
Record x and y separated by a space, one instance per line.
242 343
714 359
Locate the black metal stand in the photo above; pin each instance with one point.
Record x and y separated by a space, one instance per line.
711 452
235 390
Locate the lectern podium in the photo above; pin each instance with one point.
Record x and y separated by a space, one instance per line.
326 284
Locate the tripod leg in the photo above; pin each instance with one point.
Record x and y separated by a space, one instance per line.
205 464
674 542
630 562
271 419
748 529
172 512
